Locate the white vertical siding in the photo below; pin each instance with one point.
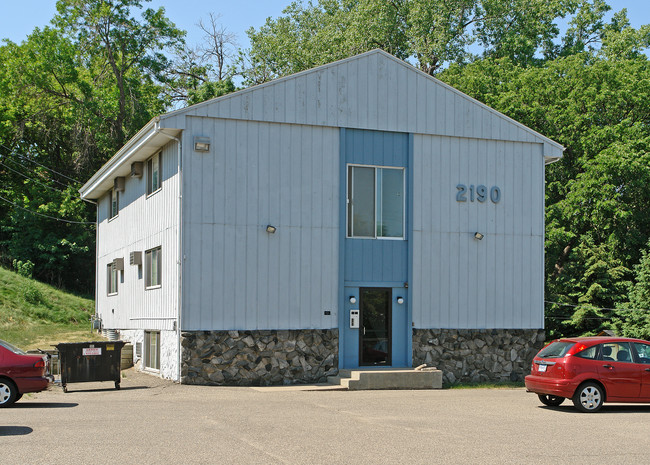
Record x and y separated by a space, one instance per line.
460 282
371 91
142 223
236 275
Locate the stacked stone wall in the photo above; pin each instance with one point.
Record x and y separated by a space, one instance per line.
258 358
473 356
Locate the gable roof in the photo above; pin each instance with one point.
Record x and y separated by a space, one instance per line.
374 91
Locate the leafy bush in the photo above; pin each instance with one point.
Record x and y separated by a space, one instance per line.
24 268
32 295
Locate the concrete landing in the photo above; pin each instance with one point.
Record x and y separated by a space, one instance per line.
387 378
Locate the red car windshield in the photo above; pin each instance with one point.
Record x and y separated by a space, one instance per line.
13 349
556 349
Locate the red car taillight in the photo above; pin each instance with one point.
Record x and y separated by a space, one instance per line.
40 364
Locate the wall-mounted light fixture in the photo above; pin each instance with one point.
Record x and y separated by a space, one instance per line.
478 236
271 229
400 300
201 144
353 299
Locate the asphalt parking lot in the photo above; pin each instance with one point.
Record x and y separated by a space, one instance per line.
152 421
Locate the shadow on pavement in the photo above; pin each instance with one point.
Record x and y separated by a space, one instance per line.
44 405
605 409
127 388
15 430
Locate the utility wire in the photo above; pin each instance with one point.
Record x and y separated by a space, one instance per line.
32 179
13 152
45 216
600 308
31 171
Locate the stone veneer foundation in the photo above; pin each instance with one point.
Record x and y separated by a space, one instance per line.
480 355
259 358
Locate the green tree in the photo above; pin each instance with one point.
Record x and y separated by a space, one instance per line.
434 32
70 96
596 197
110 38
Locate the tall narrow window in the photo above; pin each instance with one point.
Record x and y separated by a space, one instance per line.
111 279
375 202
152 350
154 172
114 204
153 268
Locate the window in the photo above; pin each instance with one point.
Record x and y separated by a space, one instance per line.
152 350
588 353
154 171
616 352
111 279
375 202
153 269
556 349
643 351
114 204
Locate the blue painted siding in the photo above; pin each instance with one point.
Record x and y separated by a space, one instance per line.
374 262
375 147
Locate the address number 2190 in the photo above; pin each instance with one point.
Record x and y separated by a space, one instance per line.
477 193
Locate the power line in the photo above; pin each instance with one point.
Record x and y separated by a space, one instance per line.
31 171
32 179
599 308
13 152
45 216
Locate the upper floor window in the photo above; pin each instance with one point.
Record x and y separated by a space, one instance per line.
154 173
114 205
375 201
153 268
111 279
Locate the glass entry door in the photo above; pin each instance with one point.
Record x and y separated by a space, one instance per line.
374 332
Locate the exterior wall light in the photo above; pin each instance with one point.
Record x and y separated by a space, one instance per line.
400 300
201 144
478 236
271 229
353 299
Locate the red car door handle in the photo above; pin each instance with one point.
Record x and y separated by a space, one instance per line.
607 366
647 369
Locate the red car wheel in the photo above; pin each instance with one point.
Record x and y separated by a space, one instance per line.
8 393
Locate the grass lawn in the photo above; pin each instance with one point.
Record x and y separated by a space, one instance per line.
35 315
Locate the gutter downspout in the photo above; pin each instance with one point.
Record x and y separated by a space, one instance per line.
157 130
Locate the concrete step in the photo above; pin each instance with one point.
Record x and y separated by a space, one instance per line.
387 378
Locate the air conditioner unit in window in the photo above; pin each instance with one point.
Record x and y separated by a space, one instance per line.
118 184
135 258
118 264
137 168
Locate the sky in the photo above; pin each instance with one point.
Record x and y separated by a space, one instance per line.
20 17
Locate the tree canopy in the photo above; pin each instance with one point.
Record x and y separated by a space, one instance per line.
434 33
70 96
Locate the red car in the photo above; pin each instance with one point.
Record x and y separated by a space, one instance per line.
21 373
590 371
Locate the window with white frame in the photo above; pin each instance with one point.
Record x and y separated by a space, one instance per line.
375 201
152 350
154 173
111 279
114 203
153 267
